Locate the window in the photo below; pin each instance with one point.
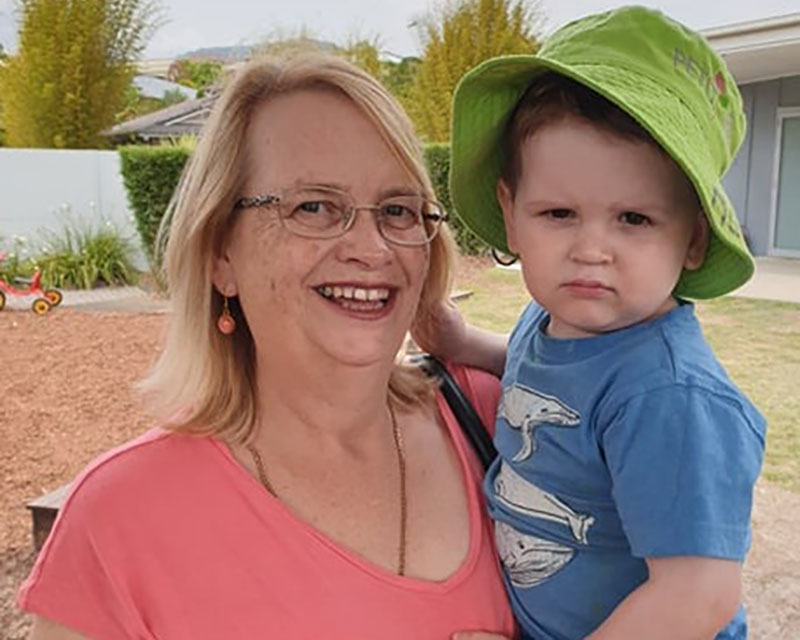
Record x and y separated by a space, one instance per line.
786 229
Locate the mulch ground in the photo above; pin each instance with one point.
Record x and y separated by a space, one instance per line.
66 381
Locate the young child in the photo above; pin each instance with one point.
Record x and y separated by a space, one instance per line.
623 489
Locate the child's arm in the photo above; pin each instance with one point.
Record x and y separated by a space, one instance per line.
444 333
684 598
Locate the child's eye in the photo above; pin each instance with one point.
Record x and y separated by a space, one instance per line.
634 219
558 214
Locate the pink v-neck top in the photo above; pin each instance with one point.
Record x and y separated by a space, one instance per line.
169 537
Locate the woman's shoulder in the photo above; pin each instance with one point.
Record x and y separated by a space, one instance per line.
135 471
481 388
478 381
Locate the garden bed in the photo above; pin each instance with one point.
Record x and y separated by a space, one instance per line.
66 379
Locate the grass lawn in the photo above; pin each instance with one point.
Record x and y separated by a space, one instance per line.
758 342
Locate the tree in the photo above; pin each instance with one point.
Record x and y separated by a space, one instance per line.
135 104
399 77
365 54
72 69
455 38
197 74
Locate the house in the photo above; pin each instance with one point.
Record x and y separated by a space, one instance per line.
183 118
764 180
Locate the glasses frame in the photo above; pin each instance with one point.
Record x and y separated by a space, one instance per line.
267 199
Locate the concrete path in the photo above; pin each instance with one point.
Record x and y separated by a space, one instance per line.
121 299
775 279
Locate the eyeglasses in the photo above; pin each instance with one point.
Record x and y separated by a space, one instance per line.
320 212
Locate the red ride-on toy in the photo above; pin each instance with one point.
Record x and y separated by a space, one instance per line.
45 298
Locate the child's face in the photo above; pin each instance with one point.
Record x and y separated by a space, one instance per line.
603 226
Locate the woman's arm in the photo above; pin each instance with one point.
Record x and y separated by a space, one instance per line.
44 629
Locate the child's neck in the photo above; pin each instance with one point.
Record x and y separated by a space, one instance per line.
557 328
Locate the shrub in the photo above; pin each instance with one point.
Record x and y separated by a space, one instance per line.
150 175
84 257
15 263
437 157
79 257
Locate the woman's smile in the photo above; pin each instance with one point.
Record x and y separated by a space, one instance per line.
368 301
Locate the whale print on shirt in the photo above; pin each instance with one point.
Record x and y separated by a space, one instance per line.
530 501
527 559
526 409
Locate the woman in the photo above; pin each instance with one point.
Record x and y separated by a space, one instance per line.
308 485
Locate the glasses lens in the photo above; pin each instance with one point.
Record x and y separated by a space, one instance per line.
314 212
410 220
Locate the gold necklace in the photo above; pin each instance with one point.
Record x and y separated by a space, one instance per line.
401 466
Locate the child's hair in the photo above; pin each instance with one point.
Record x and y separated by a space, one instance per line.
550 98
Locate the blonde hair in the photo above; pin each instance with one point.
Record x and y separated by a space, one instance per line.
204 382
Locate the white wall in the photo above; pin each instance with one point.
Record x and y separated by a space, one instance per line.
39 188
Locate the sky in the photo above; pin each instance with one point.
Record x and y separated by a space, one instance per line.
192 24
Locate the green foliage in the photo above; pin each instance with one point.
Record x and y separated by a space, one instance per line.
73 66
399 77
150 175
82 257
15 262
135 104
79 257
437 158
364 54
456 37
197 74
172 96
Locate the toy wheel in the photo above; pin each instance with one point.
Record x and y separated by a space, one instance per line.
54 297
40 306
2 300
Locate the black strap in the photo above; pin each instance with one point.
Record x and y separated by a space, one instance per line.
468 418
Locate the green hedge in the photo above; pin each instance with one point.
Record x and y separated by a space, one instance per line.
151 174
437 157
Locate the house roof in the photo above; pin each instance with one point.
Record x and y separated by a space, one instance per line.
185 117
759 49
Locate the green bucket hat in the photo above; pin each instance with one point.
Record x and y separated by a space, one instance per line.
663 75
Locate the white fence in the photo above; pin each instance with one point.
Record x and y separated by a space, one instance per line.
45 189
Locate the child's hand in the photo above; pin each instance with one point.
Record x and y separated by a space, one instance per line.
441 332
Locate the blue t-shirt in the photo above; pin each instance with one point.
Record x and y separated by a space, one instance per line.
615 448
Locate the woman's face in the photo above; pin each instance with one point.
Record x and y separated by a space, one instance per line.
351 298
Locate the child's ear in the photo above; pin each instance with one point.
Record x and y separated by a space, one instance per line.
506 200
698 244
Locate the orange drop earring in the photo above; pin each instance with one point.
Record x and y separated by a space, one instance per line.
225 323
